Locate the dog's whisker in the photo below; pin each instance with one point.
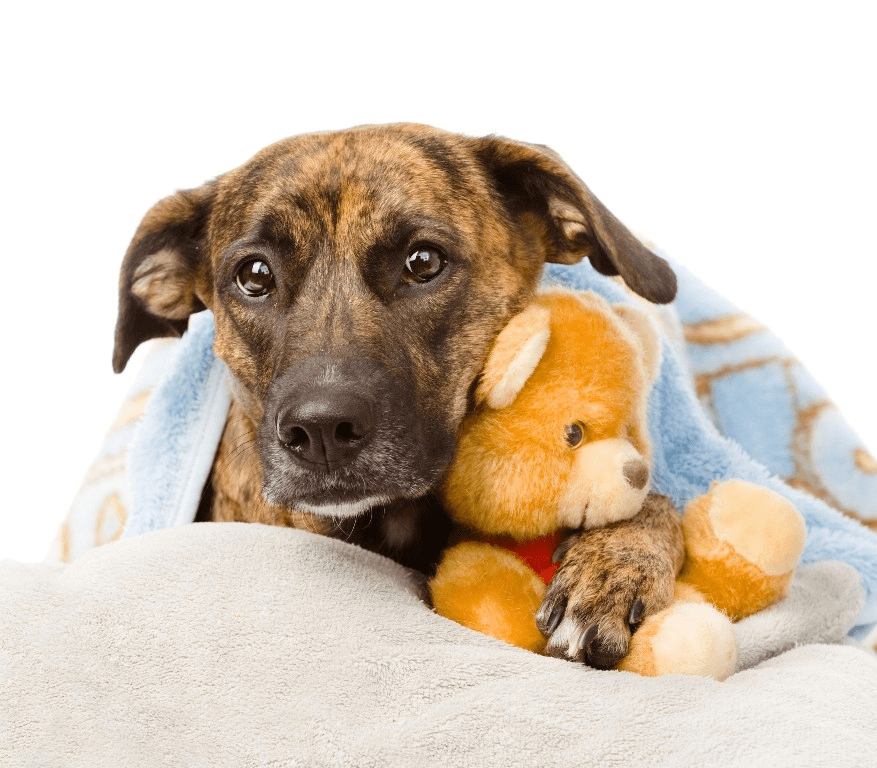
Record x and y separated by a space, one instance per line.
333 522
236 420
244 440
239 452
241 446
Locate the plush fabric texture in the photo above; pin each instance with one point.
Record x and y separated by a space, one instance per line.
248 645
536 553
177 446
102 506
760 396
505 478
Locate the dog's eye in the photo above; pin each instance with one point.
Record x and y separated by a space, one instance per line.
423 264
575 434
254 278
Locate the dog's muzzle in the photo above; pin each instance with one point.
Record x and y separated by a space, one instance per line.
342 435
325 427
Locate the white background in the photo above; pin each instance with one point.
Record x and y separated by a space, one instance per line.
740 137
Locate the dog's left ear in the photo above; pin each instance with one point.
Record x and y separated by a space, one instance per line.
157 285
572 222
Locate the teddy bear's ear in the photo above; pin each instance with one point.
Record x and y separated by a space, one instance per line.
648 336
514 356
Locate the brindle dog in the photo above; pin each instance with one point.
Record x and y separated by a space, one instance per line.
357 280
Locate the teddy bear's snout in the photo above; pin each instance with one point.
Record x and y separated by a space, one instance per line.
607 482
636 473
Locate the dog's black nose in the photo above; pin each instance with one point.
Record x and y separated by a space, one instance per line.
326 427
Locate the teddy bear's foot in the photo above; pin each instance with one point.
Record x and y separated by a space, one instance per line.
684 639
742 543
491 591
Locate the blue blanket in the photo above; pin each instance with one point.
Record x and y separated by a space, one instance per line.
729 374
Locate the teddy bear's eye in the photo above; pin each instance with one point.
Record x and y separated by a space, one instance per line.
575 434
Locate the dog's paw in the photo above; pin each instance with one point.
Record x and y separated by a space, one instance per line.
609 581
589 612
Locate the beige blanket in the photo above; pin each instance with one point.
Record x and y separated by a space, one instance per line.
243 645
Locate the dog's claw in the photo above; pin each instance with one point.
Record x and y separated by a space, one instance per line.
588 637
598 658
637 612
555 616
610 579
594 653
563 548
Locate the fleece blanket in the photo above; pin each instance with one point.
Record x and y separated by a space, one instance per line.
248 645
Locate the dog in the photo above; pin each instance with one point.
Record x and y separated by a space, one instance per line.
357 280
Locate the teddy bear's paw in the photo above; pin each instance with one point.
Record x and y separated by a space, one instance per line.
490 590
772 538
743 541
684 639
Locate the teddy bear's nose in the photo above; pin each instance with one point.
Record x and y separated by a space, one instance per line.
636 473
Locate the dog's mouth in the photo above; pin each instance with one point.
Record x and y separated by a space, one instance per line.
352 508
343 493
388 470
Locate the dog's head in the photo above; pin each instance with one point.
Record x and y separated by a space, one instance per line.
357 280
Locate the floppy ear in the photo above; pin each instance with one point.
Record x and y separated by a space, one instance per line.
157 282
514 356
571 221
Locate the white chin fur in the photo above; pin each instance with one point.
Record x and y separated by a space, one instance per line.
351 509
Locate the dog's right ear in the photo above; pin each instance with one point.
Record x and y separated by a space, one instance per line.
544 195
157 284
514 356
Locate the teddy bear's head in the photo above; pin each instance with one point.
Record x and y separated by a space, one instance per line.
558 437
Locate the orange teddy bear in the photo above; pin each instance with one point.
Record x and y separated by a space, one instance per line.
558 441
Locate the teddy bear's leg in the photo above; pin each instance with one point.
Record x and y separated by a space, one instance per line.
690 637
490 590
742 542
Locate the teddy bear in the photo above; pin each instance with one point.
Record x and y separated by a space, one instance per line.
558 442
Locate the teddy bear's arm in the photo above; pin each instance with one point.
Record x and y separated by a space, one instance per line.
610 577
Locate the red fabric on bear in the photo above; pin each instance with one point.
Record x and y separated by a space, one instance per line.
534 552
